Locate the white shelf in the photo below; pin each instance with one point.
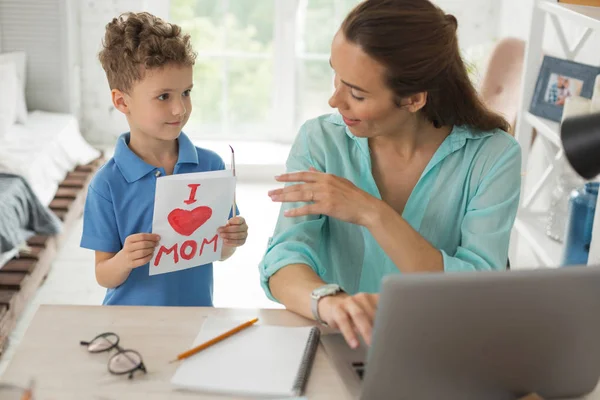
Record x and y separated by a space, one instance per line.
532 227
549 129
586 16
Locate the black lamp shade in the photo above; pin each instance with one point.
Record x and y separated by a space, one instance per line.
581 141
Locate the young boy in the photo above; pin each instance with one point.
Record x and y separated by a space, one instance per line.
148 64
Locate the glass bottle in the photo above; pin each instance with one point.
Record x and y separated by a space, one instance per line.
578 233
567 180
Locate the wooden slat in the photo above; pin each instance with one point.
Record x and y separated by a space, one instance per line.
6 296
81 175
3 311
86 168
61 204
19 265
66 193
38 240
11 280
61 214
33 252
72 183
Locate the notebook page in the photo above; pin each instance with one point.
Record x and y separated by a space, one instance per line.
259 361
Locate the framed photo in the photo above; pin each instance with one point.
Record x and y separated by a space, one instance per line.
557 80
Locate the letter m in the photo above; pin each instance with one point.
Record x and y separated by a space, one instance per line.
165 250
204 241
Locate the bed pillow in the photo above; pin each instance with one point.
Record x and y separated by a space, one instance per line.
19 59
10 88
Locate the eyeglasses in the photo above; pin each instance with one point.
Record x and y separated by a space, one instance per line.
123 362
13 392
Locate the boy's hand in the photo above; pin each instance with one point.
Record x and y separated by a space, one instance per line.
234 234
138 249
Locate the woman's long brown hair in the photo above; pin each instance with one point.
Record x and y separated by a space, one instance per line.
417 43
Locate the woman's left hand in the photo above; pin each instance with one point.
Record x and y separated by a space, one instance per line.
326 194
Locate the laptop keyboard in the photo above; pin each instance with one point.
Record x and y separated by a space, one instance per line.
359 368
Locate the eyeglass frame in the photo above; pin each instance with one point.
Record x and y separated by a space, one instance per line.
120 350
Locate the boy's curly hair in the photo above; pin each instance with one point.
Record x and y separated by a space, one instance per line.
134 42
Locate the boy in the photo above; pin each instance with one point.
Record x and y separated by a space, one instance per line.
148 64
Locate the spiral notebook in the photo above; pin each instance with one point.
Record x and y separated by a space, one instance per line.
260 361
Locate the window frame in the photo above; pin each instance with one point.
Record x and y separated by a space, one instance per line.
287 37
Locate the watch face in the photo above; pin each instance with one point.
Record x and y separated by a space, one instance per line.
326 290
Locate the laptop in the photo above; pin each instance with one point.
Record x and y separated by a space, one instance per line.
479 335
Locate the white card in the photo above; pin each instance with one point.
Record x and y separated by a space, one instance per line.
188 210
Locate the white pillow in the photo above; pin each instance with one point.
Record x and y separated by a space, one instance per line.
19 59
10 88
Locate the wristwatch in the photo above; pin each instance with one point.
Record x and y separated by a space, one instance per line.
318 294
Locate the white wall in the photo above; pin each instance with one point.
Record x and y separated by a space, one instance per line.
47 31
100 123
477 20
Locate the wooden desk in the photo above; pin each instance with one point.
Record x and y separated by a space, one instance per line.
63 370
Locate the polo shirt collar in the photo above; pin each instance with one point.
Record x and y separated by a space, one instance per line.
134 168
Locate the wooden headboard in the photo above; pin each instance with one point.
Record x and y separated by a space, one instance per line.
47 30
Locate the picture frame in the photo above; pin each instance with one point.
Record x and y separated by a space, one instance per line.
557 80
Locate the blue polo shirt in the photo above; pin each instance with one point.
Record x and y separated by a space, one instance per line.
120 202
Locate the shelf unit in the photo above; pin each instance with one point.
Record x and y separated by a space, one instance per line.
586 16
530 225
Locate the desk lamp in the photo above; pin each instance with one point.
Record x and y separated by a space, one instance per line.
580 137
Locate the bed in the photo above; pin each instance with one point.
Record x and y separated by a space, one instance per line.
44 150
35 157
45 167
37 150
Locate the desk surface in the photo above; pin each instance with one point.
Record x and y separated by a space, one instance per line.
50 352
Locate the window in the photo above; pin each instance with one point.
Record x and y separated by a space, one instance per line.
262 67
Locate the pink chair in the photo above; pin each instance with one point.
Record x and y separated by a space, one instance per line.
501 84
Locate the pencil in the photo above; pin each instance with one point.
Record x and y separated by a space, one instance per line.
215 340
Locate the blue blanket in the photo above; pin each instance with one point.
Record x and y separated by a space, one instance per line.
21 213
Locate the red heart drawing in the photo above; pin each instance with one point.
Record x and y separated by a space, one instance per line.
185 222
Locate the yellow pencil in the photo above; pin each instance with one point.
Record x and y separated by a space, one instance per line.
215 340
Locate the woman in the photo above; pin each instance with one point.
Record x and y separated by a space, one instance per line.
413 175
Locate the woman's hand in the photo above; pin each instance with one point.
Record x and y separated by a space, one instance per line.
352 315
328 195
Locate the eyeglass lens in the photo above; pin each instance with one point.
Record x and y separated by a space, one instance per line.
124 362
103 343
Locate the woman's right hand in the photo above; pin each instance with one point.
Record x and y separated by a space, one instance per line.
352 315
